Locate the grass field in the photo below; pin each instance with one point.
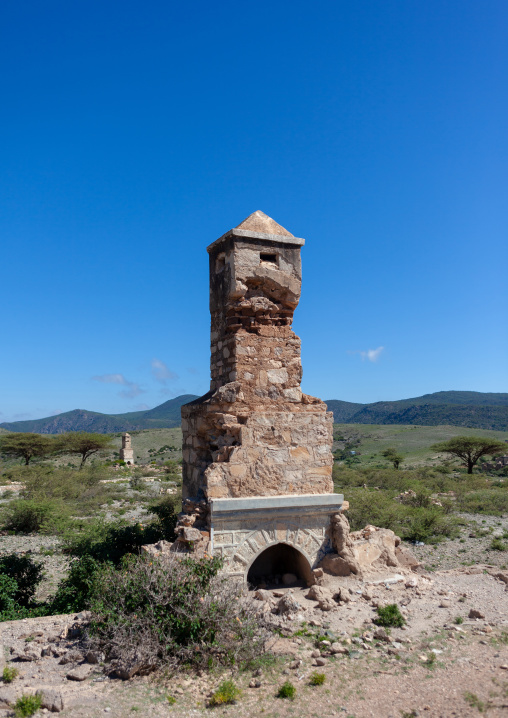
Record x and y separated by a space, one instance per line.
413 442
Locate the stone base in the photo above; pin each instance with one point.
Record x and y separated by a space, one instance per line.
242 529
127 455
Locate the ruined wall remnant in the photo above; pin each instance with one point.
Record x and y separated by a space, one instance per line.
127 452
255 433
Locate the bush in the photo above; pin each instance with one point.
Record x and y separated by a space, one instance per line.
75 591
112 541
166 612
411 523
493 501
317 679
287 690
26 516
9 674
27 574
166 511
390 615
226 694
26 706
497 545
9 609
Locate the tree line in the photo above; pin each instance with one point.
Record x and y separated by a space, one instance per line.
26 446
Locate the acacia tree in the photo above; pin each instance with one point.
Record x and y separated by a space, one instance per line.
26 446
393 456
85 444
470 448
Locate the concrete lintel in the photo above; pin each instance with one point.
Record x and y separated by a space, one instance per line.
306 502
248 234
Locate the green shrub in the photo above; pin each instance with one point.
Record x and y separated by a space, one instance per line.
166 509
287 690
497 545
111 541
493 501
317 679
226 694
27 574
429 525
458 620
390 615
27 705
75 590
9 673
172 611
25 516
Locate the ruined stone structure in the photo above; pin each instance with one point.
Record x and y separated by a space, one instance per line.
127 452
257 461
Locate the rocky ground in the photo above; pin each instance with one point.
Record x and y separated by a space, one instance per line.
451 658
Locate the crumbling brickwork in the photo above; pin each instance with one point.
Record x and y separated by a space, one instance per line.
255 433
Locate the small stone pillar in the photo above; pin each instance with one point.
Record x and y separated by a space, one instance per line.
127 452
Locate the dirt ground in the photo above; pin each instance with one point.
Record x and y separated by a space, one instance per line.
442 663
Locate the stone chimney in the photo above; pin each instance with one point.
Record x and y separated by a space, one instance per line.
126 452
255 443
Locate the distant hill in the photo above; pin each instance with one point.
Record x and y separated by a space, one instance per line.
457 408
164 416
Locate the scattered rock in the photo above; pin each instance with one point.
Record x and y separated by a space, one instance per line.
80 673
320 662
444 603
7 697
71 657
288 604
475 613
94 657
51 700
323 596
338 648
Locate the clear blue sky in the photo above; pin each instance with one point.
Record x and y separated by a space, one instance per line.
133 134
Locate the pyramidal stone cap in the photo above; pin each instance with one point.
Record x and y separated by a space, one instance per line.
259 225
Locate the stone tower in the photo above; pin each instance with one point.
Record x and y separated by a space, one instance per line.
126 452
255 448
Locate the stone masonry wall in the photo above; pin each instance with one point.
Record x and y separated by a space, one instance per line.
255 433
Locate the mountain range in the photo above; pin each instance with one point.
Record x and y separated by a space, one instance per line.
457 408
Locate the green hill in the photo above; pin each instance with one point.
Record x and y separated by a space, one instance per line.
165 415
471 409
457 408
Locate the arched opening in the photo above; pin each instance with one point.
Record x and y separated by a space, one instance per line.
274 566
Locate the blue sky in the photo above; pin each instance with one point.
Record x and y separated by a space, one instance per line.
134 134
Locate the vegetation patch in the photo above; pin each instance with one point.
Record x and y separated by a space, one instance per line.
9 673
317 679
27 705
162 613
227 693
390 615
287 690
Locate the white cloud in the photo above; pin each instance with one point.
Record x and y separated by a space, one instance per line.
372 354
132 390
161 372
111 379
141 407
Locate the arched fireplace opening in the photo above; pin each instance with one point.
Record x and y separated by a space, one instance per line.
276 562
